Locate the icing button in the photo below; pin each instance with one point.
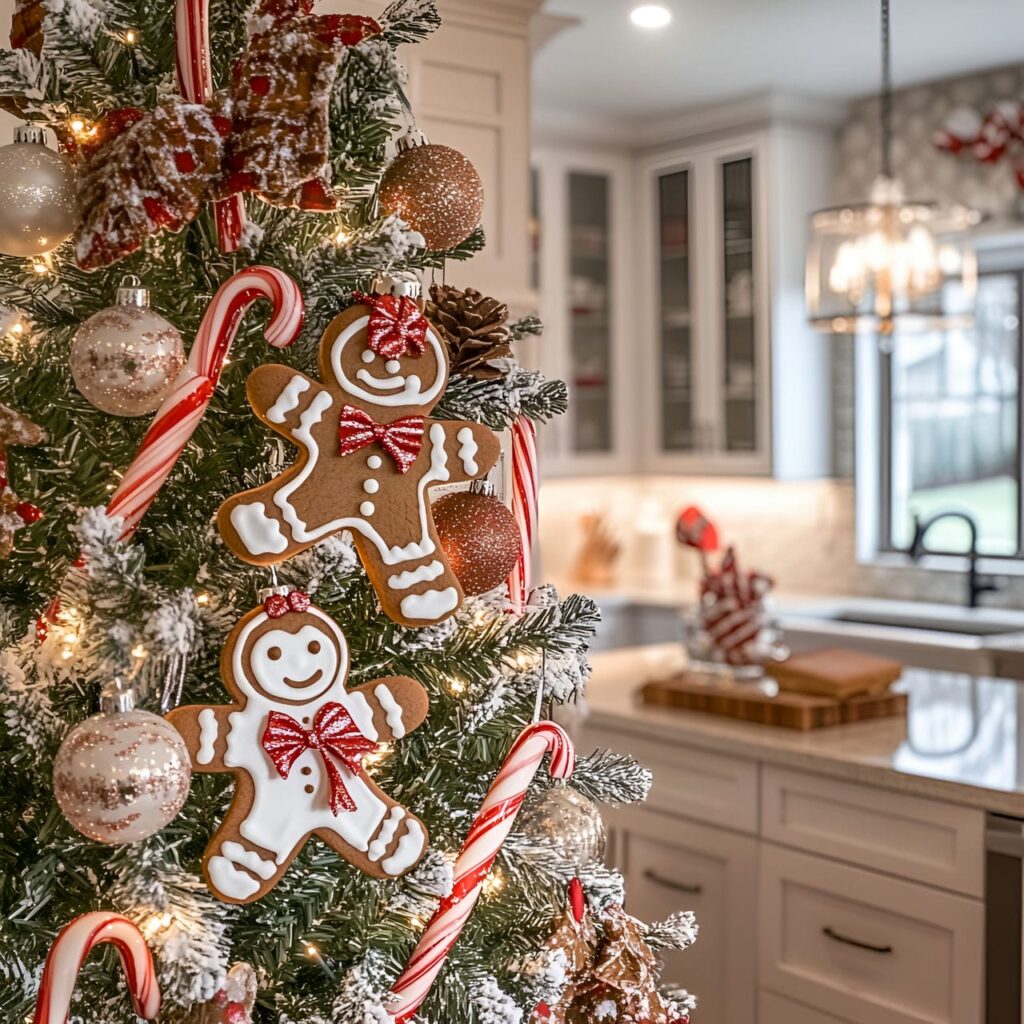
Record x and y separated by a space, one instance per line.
308 789
392 366
367 508
374 462
371 486
307 771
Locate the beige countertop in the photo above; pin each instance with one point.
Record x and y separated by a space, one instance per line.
962 740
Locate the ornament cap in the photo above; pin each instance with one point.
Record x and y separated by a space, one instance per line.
131 293
264 592
398 284
33 134
410 140
484 487
116 698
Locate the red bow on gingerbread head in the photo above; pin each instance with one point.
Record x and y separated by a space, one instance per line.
269 134
396 327
277 605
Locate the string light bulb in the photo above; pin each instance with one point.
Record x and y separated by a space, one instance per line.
340 237
494 883
131 37
139 651
202 599
157 923
40 265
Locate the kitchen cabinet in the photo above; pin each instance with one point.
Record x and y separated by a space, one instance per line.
582 202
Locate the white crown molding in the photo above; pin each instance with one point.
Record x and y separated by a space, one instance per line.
560 126
511 16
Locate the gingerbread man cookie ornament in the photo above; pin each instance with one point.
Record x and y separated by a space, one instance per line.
369 455
295 738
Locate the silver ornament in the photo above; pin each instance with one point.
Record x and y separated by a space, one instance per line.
125 358
123 774
37 195
569 821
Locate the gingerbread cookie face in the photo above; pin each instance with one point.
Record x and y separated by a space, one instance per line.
295 738
368 456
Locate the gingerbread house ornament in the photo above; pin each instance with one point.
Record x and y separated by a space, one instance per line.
369 455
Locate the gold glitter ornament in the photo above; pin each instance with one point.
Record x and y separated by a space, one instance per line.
436 191
478 535
37 195
125 358
123 774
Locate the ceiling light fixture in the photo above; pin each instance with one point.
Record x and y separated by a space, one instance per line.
650 15
891 263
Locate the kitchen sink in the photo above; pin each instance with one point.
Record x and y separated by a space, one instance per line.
939 625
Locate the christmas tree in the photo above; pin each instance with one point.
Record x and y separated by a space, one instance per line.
198 178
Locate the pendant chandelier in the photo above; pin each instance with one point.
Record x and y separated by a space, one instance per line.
891 263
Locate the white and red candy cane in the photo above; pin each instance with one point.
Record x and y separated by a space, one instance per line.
69 951
490 829
525 484
733 609
195 82
181 412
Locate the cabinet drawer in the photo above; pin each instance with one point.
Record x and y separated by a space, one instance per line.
672 865
867 948
697 783
775 1009
923 840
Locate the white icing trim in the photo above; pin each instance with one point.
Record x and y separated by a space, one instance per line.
407 396
207 735
238 854
260 534
387 832
392 710
288 399
431 604
362 714
438 471
227 879
422 574
410 846
468 450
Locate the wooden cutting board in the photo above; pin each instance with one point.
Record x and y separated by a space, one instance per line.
788 710
837 673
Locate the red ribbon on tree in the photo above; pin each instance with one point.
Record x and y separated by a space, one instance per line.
396 326
401 439
334 734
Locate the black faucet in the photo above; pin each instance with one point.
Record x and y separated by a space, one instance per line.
976 583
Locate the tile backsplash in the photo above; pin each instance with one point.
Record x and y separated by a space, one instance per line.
802 534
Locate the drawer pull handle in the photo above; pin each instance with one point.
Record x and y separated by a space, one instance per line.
668 883
847 941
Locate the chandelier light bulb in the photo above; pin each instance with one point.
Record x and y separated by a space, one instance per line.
650 16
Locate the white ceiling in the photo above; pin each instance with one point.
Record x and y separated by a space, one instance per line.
719 50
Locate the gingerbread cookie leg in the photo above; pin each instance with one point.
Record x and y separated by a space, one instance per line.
416 592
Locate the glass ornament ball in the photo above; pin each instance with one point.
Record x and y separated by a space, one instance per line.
123 774
436 191
125 358
37 195
572 823
479 537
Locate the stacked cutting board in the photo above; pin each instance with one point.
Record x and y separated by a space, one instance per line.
821 688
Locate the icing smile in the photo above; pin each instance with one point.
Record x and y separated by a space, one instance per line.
302 684
411 383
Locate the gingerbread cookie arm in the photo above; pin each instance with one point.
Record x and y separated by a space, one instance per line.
280 396
472 449
399 705
204 728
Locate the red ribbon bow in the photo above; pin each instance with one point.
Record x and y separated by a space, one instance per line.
396 327
334 734
401 439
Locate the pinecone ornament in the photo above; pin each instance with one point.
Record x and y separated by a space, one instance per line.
474 328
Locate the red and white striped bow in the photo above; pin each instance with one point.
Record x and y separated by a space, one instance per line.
401 439
334 734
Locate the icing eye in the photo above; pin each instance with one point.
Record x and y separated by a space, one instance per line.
313 647
274 653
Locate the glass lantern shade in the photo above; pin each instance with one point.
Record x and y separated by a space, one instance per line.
890 264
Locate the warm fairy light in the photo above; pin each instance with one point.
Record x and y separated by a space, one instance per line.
312 952
131 37
202 599
156 923
41 265
456 686
377 756
480 617
139 651
77 125
494 883
18 328
416 922
81 129
525 660
340 237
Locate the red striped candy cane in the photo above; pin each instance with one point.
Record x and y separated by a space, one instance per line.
524 506
182 410
195 82
69 951
490 829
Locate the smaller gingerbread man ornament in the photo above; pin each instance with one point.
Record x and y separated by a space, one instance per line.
15 513
369 456
295 738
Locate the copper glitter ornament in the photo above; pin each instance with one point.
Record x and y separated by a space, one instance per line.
37 195
569 821
125 358
123 774
479 537
436 191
